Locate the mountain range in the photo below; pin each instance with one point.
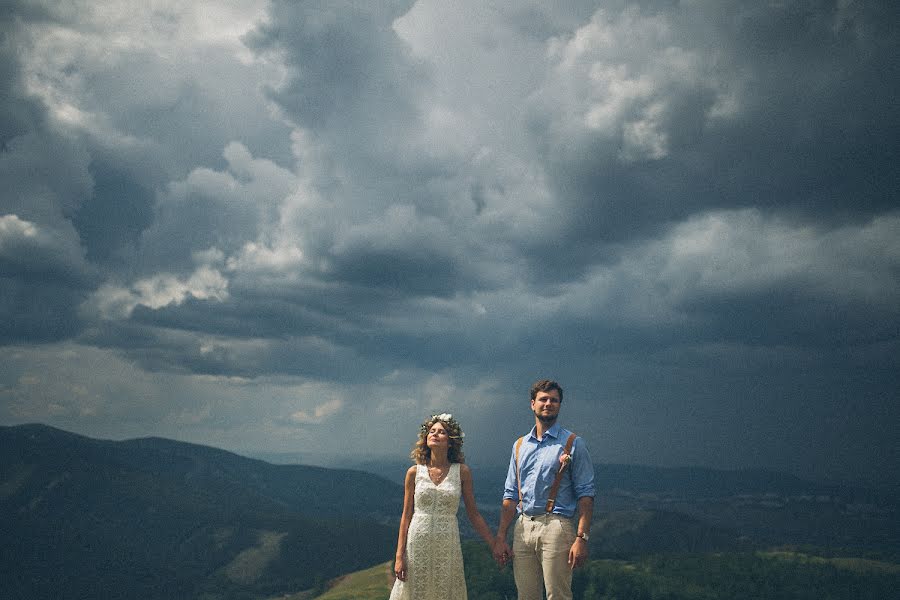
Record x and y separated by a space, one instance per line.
155 518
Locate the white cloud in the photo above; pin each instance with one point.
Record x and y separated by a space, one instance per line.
14 230
163 290
254 257
116 302
622 77
318 413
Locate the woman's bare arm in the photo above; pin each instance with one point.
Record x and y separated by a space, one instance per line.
409 495
468 494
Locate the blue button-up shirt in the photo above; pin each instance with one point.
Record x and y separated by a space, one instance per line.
538 463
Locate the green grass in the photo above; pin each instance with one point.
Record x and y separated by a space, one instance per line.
373 583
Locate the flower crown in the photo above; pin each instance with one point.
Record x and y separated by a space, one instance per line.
453 429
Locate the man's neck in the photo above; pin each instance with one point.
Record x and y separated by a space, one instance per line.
540 428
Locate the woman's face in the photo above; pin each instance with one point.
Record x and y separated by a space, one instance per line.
437 436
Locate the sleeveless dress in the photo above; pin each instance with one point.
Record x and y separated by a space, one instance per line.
433 554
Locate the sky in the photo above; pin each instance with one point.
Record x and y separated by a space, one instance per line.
306 226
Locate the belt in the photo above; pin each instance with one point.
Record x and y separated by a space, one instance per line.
543 516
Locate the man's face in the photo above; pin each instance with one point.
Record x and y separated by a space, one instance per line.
546 406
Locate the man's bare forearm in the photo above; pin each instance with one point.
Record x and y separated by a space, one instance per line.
585 514
507 514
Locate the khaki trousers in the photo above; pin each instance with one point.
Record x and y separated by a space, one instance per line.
541 557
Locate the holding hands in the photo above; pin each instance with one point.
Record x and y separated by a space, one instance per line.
502 552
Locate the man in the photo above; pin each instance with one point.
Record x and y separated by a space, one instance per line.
546 546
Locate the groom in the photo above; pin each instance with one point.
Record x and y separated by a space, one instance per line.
546 546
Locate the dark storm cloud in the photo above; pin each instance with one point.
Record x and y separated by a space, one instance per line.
46 176
195 340
354 87
329 213
113 218
417 257
31 253
43 273
785 107
351 76
37 312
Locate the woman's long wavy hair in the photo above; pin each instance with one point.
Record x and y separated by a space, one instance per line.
421 453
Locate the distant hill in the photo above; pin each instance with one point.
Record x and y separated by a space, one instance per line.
657 509
153 518
692 483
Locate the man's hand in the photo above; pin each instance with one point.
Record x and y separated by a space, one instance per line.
578 553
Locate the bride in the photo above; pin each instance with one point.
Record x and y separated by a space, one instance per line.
428 565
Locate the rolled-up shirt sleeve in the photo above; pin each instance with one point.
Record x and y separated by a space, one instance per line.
582 470
511 488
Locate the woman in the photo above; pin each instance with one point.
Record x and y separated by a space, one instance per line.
428 564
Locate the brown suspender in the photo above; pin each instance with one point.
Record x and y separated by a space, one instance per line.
551 498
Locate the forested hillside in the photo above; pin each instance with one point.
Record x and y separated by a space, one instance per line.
84 518
773 575
721 576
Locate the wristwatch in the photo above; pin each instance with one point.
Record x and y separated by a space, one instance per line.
583 536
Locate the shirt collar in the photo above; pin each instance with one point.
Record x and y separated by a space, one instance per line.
552 432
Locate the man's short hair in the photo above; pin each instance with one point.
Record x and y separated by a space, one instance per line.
546 385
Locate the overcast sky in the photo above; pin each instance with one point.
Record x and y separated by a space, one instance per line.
305 226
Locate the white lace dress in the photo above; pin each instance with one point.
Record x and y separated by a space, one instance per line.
433 554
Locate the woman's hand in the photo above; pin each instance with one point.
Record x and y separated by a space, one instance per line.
400 568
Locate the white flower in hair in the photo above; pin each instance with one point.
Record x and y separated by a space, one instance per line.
444 416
